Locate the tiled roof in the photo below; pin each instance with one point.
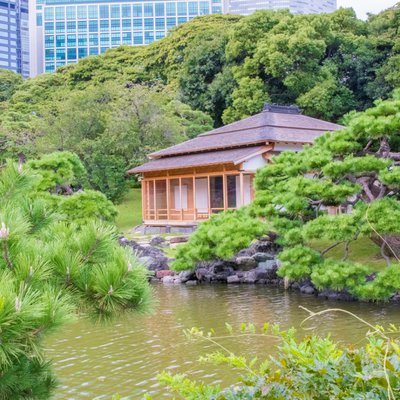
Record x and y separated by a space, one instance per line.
261 128
231 156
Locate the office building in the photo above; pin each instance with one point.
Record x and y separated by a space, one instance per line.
247 7
14 38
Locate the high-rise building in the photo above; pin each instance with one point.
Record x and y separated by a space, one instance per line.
67 30
247 7
14 37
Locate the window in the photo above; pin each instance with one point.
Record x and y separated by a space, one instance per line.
160 35
160 23
48 41
149 24
48 14
232 185
82 12
82 52
60 54
204 8
193 8
49 27
60 27
39 20
137 23
49 55
82 40
126 11
148 10
182 20
71 54
104 25
127 38
216 10
115 11
60 13
115 25
216 192
93 26
171 9
93 51
104 39
71 26
93 40
137 10
71 41
137 38
60 40
171 22
82 26
93 12
182 9
103 50
104 12
49 67
115 39
159 9
126 24
71 12
148 37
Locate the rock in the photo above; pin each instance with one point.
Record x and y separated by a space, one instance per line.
295 286
335 295
163 273
203 275
187 276
250 277
233 279
177 280
246 263
261 274
146 261
307 289
263 256
167 280
157 241
178 239
191 283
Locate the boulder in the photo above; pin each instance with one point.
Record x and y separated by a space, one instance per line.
187 276
307 289
203 275
260 257
163 273
261 274
250 277
246 263
178 239
167 280
191 283
157 241
233 279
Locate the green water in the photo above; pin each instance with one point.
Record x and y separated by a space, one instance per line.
94 361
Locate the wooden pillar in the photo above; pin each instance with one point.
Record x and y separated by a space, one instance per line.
154 199
148 199
241 189
225 190
194 199
143 184
168 205
180 197
209 196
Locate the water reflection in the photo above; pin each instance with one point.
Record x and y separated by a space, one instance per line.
95 361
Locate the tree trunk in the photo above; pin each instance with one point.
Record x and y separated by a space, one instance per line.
392 244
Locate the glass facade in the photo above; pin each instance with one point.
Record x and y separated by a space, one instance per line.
247 7
14 38
72 31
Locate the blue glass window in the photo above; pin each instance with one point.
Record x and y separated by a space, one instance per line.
137 38
93 51
50 67
60 27
115 11
71 41
49 41
82 52
148 37
182 20
60 54
171 9
104 39
104 12
137 23
49 54
82 40
160 35
160 23
39 20
115 39
159 9
182 8
103 50
115 24
126 24
60 40
126 10
49 27
82 26
204 7
193 8
148 10
93 26
60 13
149 24
71 54
93 12
49 14
71 12
137 10
93 40
171 22
216 10
104 25
127 38
71 26
82 12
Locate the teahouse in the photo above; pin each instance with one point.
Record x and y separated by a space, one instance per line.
186 183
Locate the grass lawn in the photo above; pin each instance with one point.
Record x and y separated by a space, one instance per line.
363 251
130 211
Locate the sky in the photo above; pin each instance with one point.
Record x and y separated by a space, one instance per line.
362 7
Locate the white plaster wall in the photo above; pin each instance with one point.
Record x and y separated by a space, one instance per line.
254 163
287 146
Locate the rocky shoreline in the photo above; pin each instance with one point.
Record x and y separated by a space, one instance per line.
257 264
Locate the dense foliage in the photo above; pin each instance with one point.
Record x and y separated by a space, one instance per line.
353 173
52 267
112 110
311 368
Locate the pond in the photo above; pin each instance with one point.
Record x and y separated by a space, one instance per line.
94 361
